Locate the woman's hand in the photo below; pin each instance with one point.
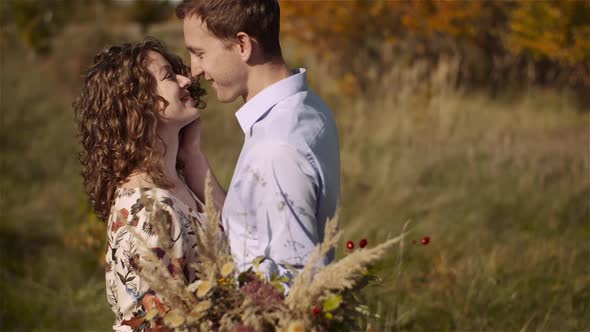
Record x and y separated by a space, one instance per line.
190 141
195 163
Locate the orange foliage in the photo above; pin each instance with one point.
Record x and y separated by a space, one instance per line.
351 35
455 18
557 30
332 26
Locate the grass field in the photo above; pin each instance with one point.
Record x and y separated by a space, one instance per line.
501 186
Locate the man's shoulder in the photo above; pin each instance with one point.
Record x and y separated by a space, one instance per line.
300 116
303 101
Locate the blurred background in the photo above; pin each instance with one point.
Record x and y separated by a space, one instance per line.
469 118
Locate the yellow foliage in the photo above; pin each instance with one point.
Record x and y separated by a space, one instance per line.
353 35
88 236
554 30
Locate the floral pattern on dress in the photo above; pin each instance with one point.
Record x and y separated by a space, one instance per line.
123 260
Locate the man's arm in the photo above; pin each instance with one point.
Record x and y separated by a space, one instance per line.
279 192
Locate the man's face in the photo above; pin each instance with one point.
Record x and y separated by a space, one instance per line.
217 62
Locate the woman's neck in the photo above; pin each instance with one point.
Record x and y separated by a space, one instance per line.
140 179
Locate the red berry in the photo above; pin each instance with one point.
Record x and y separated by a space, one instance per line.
316 311
425 240
350 245
363 243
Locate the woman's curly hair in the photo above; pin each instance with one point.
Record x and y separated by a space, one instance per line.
117 113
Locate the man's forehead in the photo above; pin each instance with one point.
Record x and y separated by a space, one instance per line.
194 24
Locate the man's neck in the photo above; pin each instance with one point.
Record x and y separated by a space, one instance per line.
264 75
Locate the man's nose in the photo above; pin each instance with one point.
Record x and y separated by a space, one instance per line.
196 70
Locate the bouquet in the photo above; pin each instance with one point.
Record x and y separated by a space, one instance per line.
223 299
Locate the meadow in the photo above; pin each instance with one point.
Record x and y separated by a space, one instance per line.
501 186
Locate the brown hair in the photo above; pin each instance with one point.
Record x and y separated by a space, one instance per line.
225 18
117 113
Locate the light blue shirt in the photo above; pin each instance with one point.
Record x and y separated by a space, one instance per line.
287 180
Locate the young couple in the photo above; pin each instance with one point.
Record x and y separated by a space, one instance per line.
139 124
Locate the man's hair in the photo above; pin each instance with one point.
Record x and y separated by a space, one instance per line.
225 18
117 113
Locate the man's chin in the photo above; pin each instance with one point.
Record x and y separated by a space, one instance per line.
225 98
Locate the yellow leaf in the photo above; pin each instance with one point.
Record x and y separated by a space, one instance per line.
194 316
193 287
203 306
227 269
151 314
256 262
332 303
296 326
204 288
174 319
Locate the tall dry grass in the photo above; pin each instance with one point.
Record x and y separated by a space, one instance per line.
501 186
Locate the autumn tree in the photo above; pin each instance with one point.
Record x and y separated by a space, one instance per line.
149 12
496 41
36 22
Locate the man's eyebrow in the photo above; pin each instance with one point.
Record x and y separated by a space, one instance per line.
194 49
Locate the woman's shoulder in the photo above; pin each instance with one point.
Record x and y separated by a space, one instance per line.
133 201
129 204
140 187
135 207
126 196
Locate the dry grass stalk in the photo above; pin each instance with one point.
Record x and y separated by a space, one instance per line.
344 274
212 244
304 278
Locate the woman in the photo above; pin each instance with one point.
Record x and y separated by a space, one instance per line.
134 102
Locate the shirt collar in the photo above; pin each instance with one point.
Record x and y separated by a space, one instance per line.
256 107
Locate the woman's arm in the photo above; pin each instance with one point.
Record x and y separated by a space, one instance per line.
196 165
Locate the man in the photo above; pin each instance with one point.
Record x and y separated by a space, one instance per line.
287 180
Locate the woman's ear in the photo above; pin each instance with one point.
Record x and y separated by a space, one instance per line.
245 43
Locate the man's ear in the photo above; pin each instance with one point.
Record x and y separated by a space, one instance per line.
245 43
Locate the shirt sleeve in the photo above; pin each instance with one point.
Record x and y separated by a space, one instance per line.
279 193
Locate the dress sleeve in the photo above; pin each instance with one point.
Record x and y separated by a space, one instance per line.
131 226
279 191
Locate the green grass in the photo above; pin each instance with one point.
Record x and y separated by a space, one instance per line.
501 186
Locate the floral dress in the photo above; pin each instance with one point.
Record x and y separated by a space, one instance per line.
124 285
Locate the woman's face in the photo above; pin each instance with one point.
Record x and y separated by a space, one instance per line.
181 109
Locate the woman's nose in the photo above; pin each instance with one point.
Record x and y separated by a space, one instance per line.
184 81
